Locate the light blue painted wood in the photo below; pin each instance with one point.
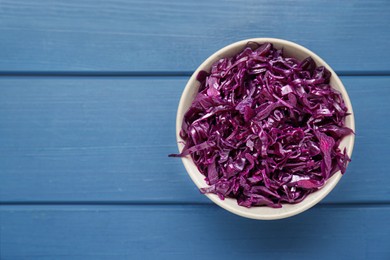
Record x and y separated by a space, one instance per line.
191 232
104 140
107 139
116 35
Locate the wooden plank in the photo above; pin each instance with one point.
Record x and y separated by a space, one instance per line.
191 232
173 35
107 139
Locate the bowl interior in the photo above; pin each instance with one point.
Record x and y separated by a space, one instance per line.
291 50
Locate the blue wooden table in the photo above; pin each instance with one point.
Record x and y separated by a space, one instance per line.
88 98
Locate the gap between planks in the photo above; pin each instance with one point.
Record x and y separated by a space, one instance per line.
186 204
147 73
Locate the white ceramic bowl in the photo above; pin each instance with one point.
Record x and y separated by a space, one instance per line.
266 213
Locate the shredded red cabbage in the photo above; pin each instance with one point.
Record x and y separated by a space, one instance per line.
265 129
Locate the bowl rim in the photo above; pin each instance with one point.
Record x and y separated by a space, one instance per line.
187 160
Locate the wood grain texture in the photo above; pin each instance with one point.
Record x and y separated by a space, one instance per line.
191 232
107 140
172 35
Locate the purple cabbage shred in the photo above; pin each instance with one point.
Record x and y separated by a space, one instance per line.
265 129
